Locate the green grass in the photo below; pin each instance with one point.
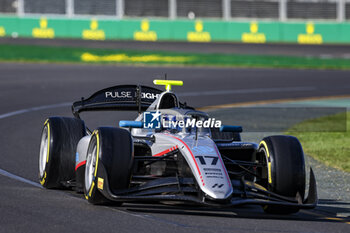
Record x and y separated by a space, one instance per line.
24 53
328 145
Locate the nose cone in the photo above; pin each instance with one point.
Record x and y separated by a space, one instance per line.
218 191
214 179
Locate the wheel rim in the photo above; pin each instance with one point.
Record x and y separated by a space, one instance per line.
264 170
43 151
90 166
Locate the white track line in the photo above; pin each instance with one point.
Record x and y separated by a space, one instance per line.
18 178
19 112
247 91
22 111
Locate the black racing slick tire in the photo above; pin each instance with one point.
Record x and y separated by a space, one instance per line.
59 140
108 163
285 170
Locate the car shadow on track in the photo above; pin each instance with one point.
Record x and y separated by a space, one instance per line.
334 208
328 210
320 214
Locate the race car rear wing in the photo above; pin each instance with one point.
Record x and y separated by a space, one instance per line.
123 97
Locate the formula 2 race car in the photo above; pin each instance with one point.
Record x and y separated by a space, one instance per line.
171 152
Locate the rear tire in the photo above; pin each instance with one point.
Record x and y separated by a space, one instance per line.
285 171
59 140
111 148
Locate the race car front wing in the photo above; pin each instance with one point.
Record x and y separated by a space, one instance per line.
180 189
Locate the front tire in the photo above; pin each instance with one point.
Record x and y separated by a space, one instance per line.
285 170
110 150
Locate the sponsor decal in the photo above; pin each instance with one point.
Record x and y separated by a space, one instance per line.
128 94
217 185
43 31
100 182
116 94
145 34
213 173
310 37
93 33
153 120
253 36
199 35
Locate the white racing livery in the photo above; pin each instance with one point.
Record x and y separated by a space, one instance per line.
170 152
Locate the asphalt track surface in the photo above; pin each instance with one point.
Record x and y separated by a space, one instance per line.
31 92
